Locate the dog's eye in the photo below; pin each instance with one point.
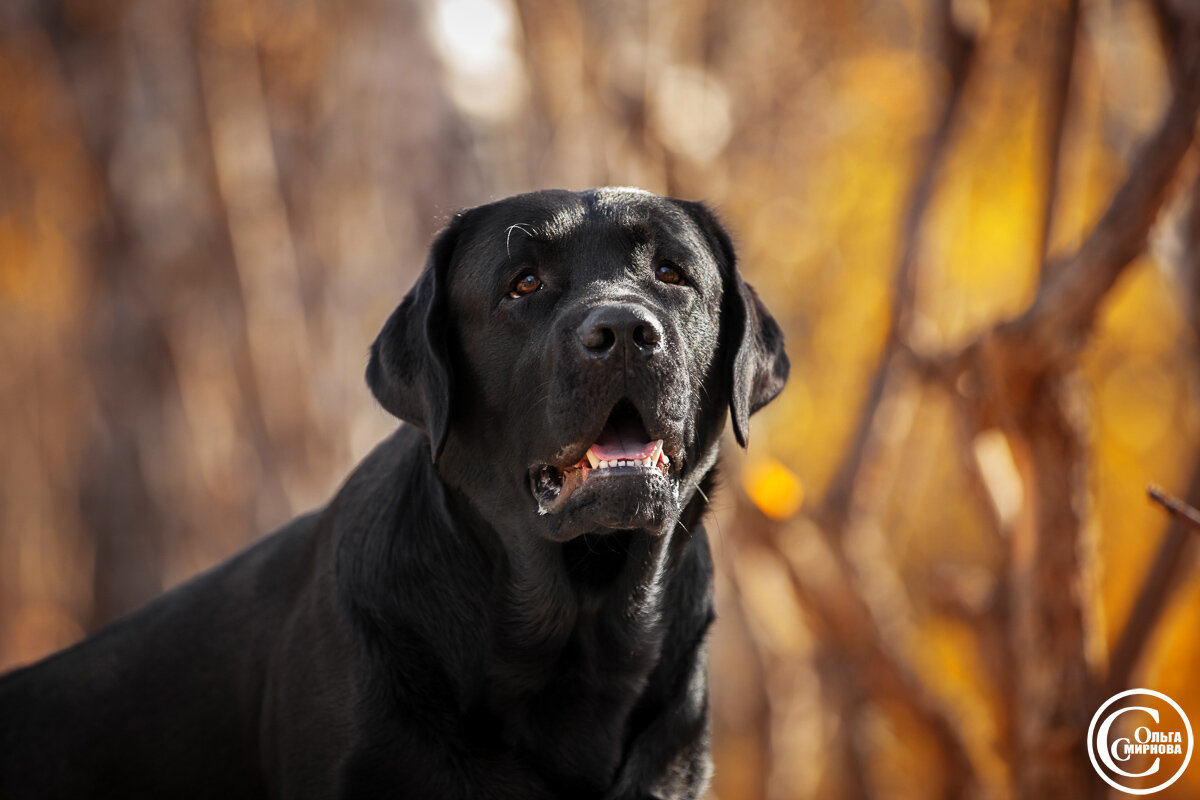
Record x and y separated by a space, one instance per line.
669 273
526 284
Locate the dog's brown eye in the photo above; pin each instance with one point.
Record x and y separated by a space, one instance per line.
669 273
526 284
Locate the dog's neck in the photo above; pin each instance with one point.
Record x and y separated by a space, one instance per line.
601 589
536 630
576 638
522 599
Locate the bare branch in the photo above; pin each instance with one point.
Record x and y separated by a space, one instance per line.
851 780
959 56
756 712
1054 328
1057 105
1173 18
845 622
1189 259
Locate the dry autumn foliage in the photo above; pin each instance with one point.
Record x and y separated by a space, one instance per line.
978 221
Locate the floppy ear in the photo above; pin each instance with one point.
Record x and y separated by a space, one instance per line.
756 364
409 370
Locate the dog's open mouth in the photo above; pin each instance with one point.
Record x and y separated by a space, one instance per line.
623 449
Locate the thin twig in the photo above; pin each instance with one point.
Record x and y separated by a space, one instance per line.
1178 508
1157 587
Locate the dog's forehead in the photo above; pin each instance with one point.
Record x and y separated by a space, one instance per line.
561 217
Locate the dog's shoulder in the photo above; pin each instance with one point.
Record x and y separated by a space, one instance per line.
197 653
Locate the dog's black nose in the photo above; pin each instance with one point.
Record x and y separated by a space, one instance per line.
613 328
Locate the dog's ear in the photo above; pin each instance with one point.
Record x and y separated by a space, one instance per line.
409 371
756 364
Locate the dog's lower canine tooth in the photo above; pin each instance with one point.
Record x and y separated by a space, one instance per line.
591 457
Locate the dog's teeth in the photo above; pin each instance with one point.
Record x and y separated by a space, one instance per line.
655 458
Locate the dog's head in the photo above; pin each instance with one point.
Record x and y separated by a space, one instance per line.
573 355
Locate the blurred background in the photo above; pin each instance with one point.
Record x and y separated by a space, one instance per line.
973 218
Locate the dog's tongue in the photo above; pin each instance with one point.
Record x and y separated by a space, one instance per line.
623 441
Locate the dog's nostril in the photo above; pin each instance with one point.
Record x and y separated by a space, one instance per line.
599 338
646 336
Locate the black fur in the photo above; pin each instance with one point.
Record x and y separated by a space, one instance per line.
440 630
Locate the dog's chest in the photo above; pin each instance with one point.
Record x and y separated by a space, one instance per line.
575 726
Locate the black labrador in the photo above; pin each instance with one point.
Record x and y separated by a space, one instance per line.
508 598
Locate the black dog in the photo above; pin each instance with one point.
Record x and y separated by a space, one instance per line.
508 598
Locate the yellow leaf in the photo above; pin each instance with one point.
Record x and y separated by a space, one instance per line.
773 487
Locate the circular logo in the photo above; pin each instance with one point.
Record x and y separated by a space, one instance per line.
1140 741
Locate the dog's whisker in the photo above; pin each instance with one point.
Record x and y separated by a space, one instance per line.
520 226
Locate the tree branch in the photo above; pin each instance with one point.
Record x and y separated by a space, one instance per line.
1173 18
958 54
1053 329
844 621
1057 106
